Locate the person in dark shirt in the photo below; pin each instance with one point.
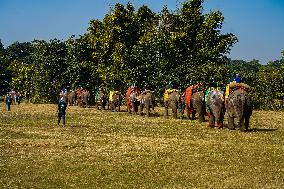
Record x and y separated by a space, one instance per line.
61 110
8 101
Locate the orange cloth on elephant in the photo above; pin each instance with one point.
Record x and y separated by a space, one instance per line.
188 93
128 93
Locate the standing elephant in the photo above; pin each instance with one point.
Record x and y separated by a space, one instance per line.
172 99
101 99
215 108
114 100
72 98
198 105
239 105
85 97
147 101
132 99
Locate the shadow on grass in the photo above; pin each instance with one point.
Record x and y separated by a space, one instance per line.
261 130
252 129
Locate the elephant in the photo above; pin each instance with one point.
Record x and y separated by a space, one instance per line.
147 101
71 98
239 105
132 99
198 105
215 107
85 97
114 100
101 99
173 101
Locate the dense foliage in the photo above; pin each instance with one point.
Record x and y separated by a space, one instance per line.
138 46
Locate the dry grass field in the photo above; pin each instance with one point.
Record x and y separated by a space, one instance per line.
103 149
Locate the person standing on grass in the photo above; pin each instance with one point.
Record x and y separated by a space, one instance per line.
8 100
61 110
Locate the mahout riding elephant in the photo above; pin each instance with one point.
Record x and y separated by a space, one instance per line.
114 101
101 99
132 99
215 106
147 101
72 98
239 105
198 105
173 101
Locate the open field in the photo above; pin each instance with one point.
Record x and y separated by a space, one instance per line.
103 149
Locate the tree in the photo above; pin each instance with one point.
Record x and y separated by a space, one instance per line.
5 73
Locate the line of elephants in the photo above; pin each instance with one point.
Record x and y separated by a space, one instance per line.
214 104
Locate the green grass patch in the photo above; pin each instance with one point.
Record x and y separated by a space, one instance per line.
103 149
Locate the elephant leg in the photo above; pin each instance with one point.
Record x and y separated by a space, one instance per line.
231 125
141 109
103 105
166 111
187 112
201 117
211 120
136 107
246 123
242 124
147 106
220 121
174 110
133 107
193 116
112 106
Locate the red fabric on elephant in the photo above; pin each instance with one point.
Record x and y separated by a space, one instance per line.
129 91
187 96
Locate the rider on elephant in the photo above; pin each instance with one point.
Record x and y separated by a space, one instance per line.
232 86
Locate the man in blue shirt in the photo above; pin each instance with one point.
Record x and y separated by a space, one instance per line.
61 110
238 78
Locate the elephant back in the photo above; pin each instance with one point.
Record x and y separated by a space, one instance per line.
215 101
215 98
85 96
197 98
174 97
116 97
71 95
239 104
148 97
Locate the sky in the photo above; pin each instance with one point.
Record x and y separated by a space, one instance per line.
258 24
